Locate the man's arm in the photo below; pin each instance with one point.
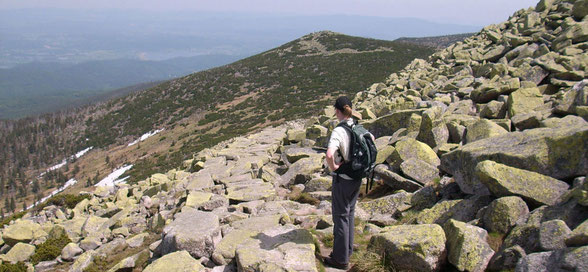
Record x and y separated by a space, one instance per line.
331 159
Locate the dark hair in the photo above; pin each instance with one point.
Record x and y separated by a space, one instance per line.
347 112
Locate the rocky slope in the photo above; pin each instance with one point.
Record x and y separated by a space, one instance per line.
484 147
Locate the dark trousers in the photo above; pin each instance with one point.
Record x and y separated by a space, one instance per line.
344 196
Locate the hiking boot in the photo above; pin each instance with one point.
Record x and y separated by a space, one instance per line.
334 264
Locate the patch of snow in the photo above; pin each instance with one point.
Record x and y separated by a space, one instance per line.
112 179
64 162
57 166
145 136
81 153
67 184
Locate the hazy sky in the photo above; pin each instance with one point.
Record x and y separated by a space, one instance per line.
467 12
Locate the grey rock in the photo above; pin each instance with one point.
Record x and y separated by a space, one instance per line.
412 247
552 234
194 231
566 156
507 259
503 180
504 213
419 170
467 246
395 181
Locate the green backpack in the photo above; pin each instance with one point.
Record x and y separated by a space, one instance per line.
362 153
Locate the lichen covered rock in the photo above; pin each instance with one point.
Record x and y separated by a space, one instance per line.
556 152
195 231
176 261
413 247
467 246
535 188
504 213
283 248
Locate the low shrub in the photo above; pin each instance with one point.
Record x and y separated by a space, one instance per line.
17 267
50 249
67 200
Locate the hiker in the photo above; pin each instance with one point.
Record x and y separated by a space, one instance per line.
345 189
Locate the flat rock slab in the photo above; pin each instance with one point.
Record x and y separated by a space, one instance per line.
176 261
419 170
394 180
535 188
22 231
463 210
250 190
195 231
556 152
413 247
283 248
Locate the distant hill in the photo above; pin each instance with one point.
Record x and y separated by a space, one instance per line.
73 35
36 88
438 42
295 80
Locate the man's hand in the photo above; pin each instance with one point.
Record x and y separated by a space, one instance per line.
331 159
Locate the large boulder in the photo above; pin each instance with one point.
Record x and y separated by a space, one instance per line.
70 251
419 170
176 261
225 250
195 199
433 130
282 248
570 259
463 210
302 170
524 100
534 188
576 97
557 152
552 234
253 189
395 181
410 148
525 236
493 110
504 213
389 205
96 226
23 231
412 247
467 246
388 124
19 253
195 231
483 129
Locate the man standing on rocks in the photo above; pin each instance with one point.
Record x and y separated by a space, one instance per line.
345 189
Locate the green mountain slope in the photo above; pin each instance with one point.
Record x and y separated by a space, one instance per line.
292 81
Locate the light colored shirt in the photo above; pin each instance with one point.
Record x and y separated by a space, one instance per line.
340 140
